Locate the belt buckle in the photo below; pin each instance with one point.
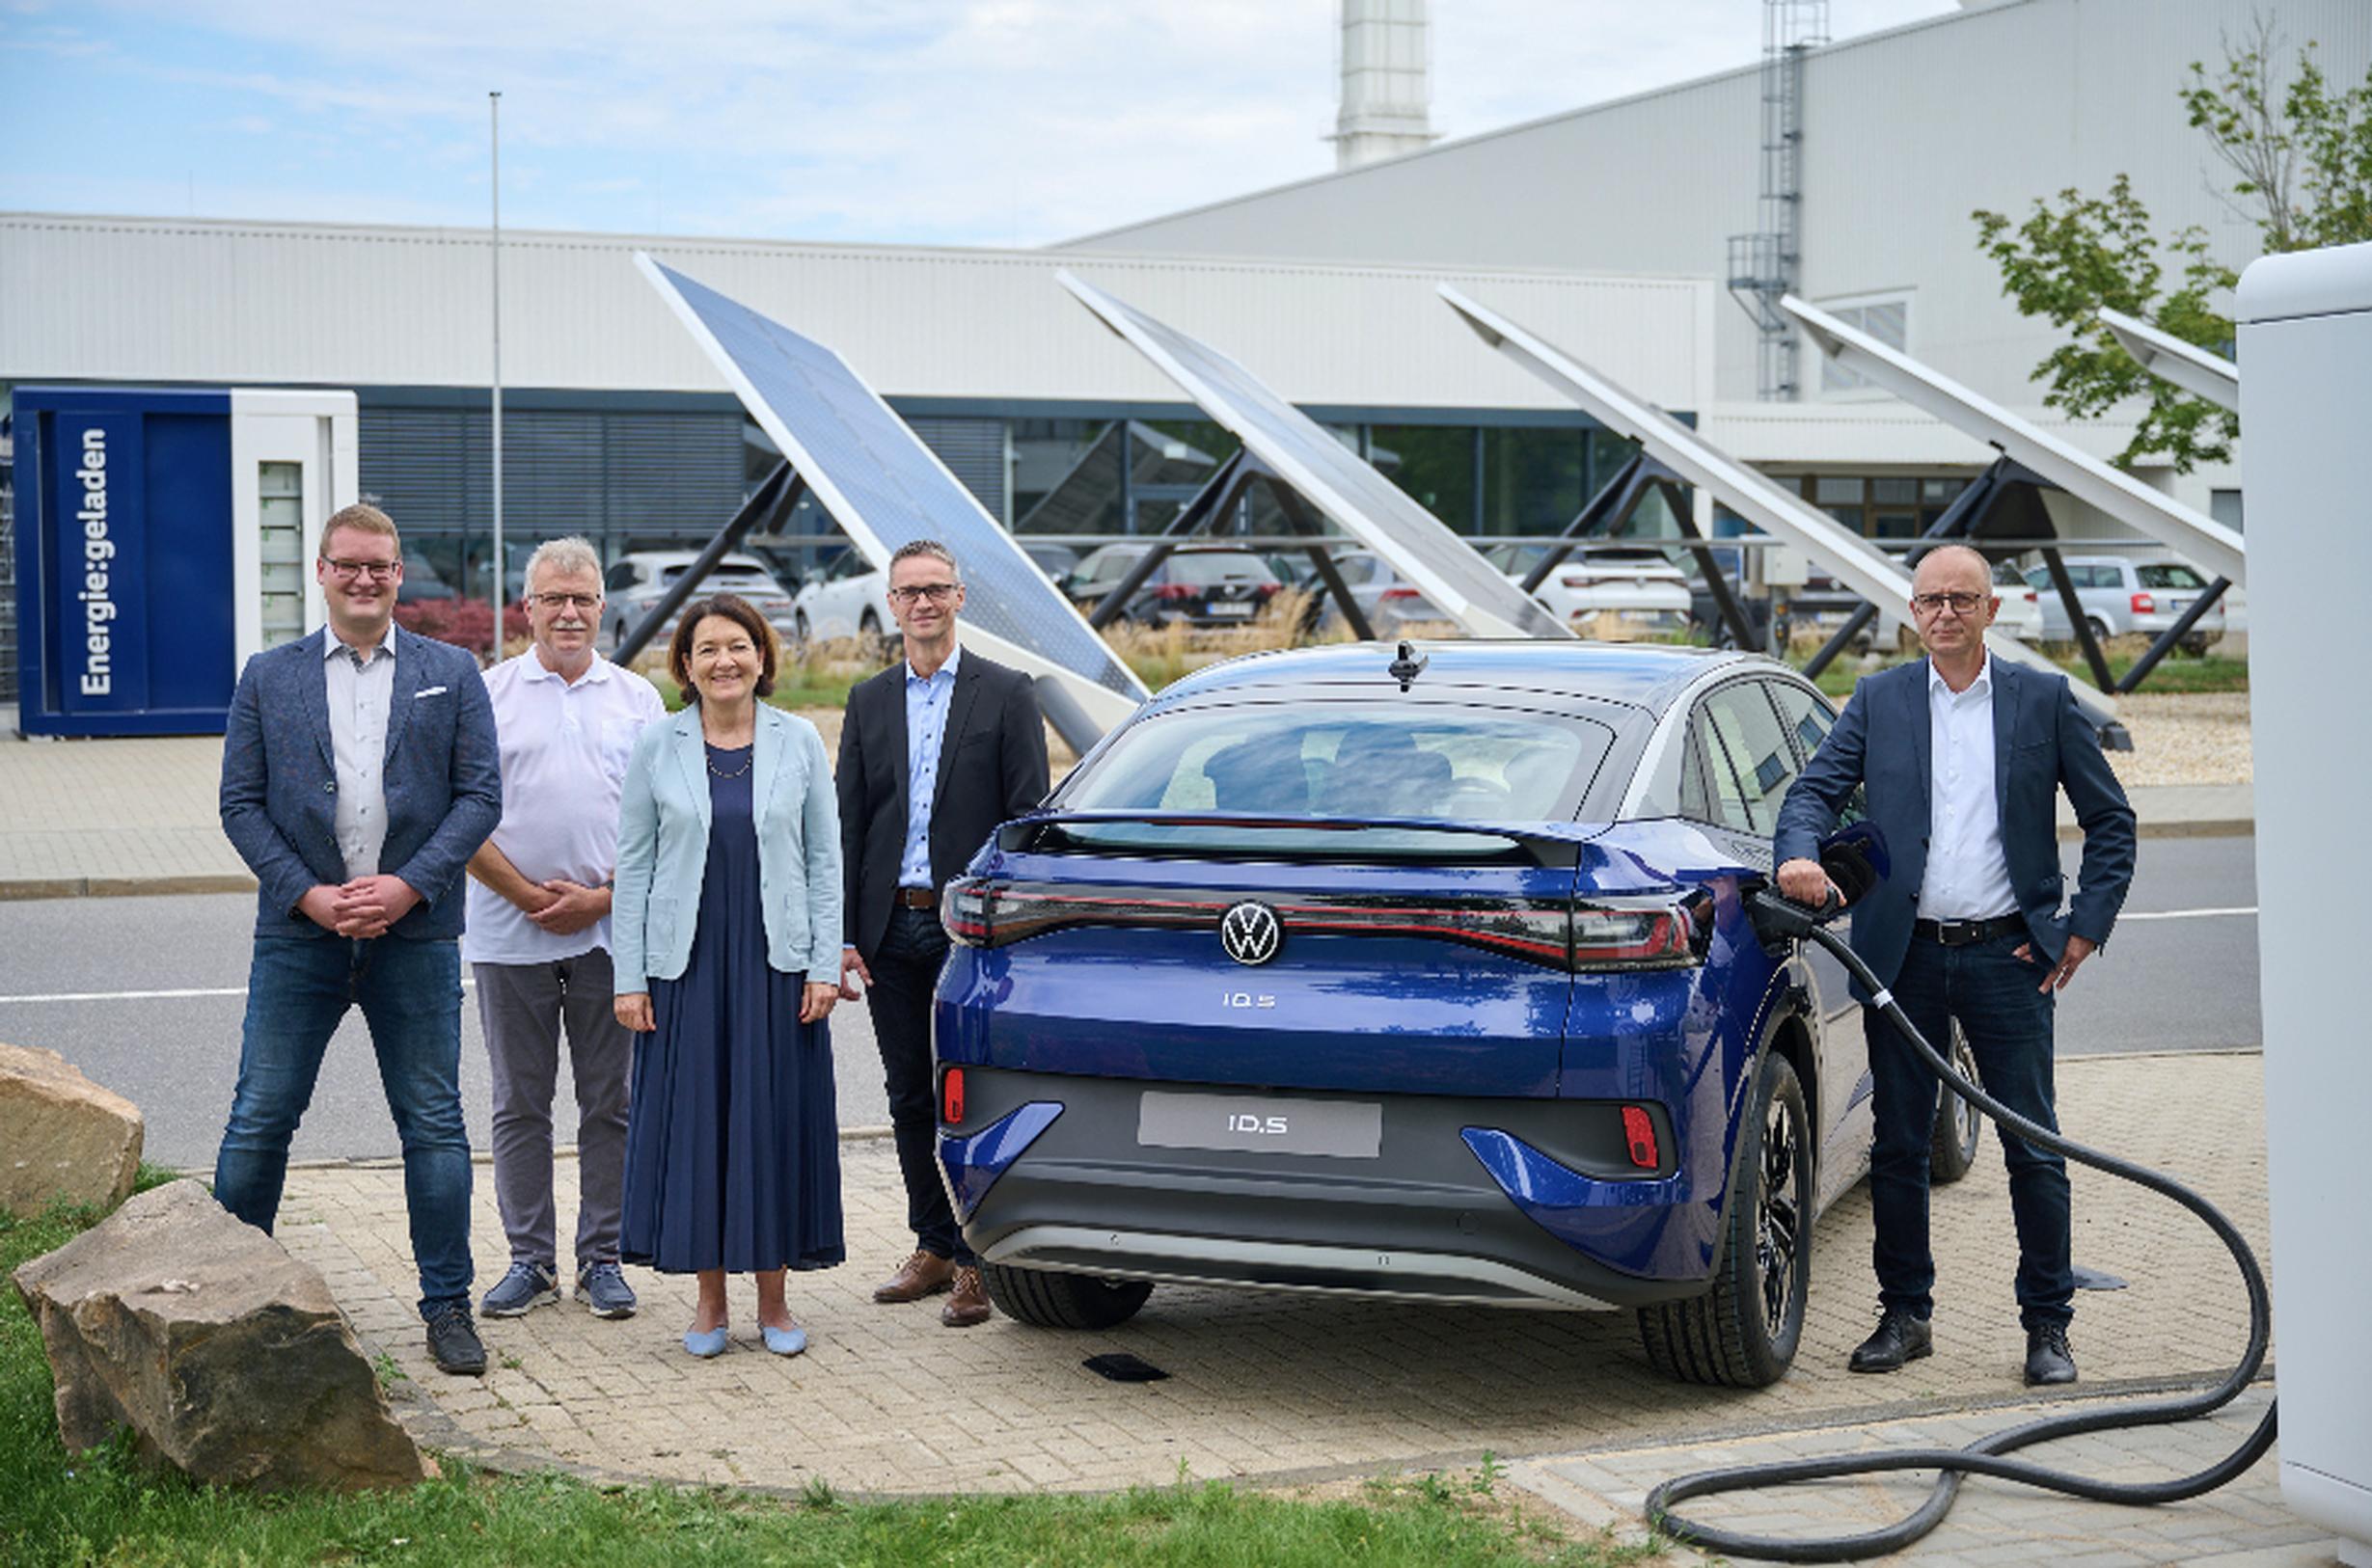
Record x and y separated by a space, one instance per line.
1959 932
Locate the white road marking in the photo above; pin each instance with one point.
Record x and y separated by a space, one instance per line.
145 996
2184 914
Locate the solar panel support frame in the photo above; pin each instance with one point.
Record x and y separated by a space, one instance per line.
2200 540
1753 496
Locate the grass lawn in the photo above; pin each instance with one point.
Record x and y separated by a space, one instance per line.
104 1507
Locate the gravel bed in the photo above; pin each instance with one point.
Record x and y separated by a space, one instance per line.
2179 738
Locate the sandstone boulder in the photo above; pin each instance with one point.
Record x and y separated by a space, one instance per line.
62 1135
224 1355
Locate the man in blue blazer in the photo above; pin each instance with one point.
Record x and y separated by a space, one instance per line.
1962 758
359 774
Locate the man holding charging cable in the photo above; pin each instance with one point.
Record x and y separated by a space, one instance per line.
1962 757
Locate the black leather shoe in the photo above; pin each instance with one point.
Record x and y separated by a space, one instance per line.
1901 1337
2048 1360
454 1343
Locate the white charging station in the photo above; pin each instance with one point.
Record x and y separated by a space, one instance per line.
2306 397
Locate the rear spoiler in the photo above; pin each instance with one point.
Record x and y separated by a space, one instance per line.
1559 846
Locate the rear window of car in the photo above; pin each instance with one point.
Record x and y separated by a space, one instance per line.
1342 760
1202 571
2169 575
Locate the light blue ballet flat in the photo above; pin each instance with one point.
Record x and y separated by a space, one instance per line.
784 1341
706 1345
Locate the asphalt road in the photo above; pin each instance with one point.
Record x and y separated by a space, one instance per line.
82 977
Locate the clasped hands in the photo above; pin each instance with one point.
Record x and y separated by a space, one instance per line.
361 908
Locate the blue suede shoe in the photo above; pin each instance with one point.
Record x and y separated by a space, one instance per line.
527 1286
784 1341
707 1345
604 1291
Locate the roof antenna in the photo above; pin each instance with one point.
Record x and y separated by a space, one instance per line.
1408 665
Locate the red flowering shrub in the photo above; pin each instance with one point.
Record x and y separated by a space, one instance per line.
466 623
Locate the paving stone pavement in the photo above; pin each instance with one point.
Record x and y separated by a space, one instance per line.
2243 1524
1279 1388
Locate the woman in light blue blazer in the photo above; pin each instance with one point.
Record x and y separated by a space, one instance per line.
726 924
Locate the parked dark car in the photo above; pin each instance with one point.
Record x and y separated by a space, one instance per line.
1430 979
1209 585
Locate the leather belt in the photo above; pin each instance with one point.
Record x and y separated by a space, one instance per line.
917 898
1964 932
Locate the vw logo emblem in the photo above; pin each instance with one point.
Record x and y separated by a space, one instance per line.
1251 932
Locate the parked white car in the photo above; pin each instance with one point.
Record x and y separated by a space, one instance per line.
1639 585
850 598
2119 596
636 582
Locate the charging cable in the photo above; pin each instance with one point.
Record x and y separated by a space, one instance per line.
1780 917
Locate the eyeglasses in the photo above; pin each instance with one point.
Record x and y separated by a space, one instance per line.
377 570
1959 604
938 593
564 600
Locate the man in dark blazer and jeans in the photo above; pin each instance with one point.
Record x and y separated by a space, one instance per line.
359 774
934 751
1963 757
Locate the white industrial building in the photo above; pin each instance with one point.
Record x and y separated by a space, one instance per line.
1607 230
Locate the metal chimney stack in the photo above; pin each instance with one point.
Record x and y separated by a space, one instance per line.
1387 92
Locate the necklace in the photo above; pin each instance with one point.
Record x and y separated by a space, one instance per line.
746 764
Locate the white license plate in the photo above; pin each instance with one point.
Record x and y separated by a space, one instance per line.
2175 606
1229 608
1260 1124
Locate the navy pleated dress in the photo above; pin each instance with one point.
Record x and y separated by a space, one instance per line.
732 1145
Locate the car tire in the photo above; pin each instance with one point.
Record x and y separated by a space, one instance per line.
1048 1300
869 634
2100 628
800 632
1959 1129
1742 1332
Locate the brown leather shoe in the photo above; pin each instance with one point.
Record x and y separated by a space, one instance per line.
925 1274
968 1304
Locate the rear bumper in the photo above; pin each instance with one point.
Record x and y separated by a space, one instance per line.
1047 1173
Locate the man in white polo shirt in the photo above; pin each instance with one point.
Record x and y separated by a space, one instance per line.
538 936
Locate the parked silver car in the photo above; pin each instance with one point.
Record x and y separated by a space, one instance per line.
1638 584
1390 602
2119 596
635 583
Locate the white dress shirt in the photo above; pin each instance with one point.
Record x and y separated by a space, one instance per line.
1968 871
361 686
565 746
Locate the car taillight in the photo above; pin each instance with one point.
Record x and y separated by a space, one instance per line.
1400 593
1578 581
1264 589
2028 596
2144 605
1605 933
1176 590
951 1101
1639 1137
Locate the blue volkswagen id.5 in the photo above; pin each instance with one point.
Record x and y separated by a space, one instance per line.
1421 973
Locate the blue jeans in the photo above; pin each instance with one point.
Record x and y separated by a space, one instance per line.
298 990
2008 1021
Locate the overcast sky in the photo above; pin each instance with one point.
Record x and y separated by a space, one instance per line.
926 121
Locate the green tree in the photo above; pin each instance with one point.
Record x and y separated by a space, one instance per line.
2301 154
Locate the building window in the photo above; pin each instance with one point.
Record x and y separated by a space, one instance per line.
2223 505
1434 463
280 519
1885 317
1532 480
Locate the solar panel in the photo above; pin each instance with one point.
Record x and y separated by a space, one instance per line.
1333 477
2203 539
1846 555
2169 359
886 488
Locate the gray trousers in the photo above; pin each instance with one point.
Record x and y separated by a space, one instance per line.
521 1007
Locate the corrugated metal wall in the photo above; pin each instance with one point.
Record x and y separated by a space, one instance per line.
564 471
262 304
974 452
